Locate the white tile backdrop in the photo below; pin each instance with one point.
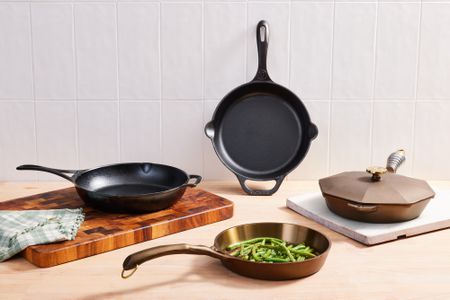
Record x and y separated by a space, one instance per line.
85 83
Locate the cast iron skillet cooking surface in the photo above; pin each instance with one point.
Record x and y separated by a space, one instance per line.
291 233
261 130
127 187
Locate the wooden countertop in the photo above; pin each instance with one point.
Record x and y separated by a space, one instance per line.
412 268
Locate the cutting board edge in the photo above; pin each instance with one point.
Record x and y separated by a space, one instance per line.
45 261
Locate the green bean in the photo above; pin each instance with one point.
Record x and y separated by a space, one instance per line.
299 246
236 245
270 250
304 253
276 259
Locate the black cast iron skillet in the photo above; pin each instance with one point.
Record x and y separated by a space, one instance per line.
261 130
127 187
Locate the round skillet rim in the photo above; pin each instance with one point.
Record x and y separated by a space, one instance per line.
310 130
79 173
228 256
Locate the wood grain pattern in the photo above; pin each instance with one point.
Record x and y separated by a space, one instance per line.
102 231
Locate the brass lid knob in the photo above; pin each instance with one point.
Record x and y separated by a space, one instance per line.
376 172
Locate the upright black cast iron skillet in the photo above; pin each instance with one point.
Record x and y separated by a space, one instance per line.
261 130
127 187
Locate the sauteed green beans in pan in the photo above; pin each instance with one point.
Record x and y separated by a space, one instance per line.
270 250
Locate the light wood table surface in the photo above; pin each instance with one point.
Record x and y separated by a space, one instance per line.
412 268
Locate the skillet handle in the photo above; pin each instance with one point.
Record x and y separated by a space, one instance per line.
197 178
313 131
134 260
252 192
262 43
395 160
59 172
363 208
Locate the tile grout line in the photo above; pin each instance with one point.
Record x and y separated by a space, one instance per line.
119 137
246 42
416 91
330 105
374 78
203 87
33 88
289 44
75 62
160 66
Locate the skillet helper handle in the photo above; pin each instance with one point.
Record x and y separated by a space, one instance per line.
262 43
135 259
313 131
395 160
253 192
197 178
59 172
363 208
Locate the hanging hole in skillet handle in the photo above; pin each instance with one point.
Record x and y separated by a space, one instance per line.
254 192
197 180
58 172
262 43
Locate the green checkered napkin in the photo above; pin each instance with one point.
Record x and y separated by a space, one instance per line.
22 228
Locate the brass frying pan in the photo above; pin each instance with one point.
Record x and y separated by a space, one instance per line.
269 271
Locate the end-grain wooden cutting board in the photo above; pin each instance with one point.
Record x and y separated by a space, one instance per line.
102 232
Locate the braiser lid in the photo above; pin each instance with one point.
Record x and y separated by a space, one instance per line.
390 189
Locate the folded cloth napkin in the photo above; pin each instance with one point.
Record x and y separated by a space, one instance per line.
22 228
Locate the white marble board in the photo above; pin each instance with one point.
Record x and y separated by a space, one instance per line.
436 215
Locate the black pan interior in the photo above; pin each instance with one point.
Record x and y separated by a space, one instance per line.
260 130
131 179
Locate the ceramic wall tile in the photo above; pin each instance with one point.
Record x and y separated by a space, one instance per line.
17 140
182 132
15 52
353 56
396 56
350 136
434 60
311 48
431 143
225 47
135 80
53 52
139 57
140 131
96 50
56 131
97 133
181 51
393 124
